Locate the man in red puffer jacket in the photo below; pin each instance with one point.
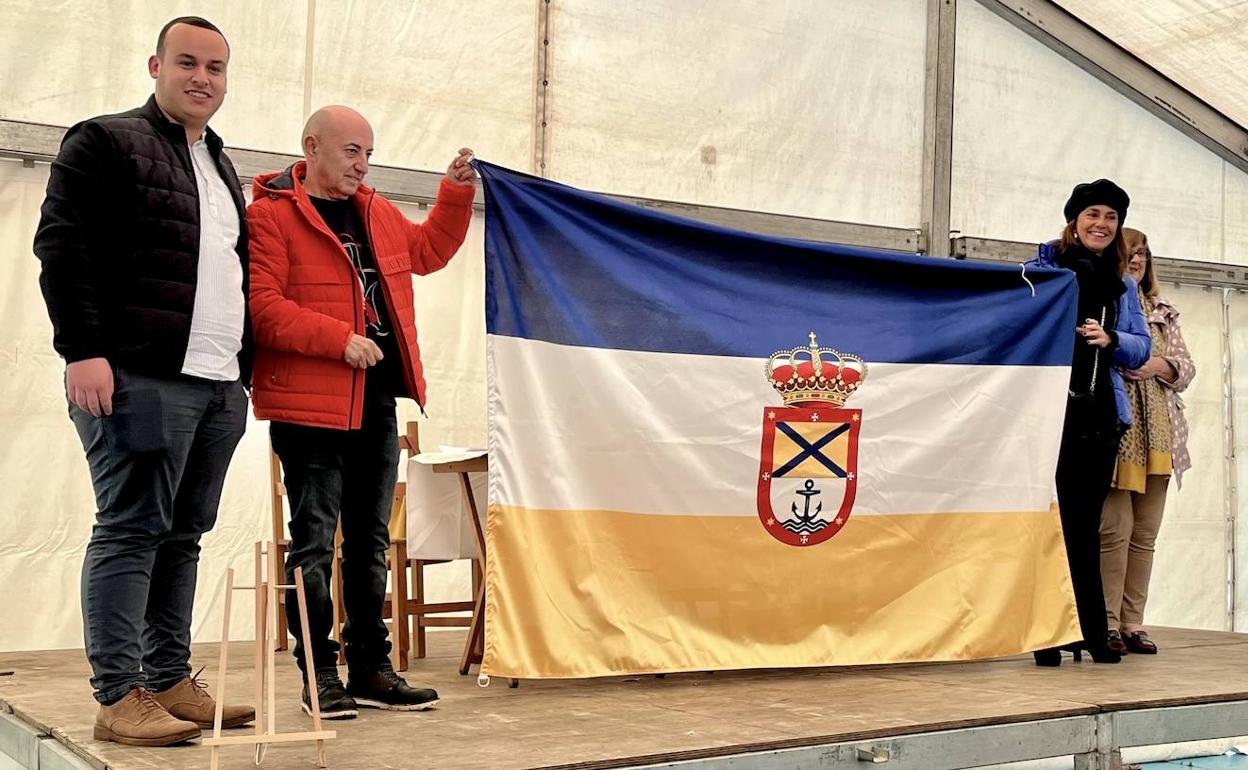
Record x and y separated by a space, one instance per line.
331 307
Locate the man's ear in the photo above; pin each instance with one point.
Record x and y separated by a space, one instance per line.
153 66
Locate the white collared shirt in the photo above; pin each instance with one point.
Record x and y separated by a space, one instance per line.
220 307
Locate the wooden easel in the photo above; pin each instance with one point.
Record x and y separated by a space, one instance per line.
266 587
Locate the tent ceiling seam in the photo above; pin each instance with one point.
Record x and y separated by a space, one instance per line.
1129 75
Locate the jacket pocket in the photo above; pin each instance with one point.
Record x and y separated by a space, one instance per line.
281 371
273 370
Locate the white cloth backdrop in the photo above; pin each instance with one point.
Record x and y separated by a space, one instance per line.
1193 530
799 107
1181 38
1238 317
430 76
808 108
45 76
1028 125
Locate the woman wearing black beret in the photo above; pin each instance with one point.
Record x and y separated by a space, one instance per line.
1110 331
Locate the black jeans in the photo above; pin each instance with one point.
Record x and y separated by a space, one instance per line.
349 472
1085 468
157 464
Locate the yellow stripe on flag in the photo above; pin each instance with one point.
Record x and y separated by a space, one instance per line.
593 593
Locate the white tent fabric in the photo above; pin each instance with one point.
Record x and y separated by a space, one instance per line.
794 109
1194 527
799 110
1238 323
432 77
65 61
1200 44
1235 218
1028 124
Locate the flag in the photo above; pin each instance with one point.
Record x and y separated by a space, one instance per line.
710 449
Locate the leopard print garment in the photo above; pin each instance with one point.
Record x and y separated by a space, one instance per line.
1146 448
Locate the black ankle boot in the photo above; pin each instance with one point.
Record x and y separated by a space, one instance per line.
1102 654
1050 656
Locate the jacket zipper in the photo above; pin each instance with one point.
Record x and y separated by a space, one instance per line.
385 296
319 224
1096 360
183 151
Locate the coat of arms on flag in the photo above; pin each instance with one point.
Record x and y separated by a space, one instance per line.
808 468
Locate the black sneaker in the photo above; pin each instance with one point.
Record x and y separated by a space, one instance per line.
384 689
333 699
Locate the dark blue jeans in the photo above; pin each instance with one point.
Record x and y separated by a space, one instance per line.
157 464
349 472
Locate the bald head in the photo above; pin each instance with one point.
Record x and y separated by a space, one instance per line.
337 143
335 118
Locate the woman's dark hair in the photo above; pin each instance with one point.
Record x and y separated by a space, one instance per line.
1138 240
1118 246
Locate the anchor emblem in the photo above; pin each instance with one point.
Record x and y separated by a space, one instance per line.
806 520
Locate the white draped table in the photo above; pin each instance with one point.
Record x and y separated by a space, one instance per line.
446 494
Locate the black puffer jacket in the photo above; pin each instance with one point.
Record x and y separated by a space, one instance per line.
119 242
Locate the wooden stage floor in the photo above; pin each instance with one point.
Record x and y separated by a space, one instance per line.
628 722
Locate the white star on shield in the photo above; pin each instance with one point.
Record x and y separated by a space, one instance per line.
805 539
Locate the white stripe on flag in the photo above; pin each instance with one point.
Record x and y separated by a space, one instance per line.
666 433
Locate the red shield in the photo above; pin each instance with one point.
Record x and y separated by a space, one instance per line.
808 472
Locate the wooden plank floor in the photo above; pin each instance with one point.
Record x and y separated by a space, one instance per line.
609 723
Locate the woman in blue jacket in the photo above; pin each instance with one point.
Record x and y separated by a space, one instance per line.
1111 333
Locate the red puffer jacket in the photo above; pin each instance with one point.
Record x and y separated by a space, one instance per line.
306 300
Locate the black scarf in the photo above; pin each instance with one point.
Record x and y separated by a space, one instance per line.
1091 407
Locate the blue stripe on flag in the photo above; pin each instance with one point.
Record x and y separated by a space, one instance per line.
576 268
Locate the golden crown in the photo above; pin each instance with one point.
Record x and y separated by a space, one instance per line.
815 375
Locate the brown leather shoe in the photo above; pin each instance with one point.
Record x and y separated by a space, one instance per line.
1139 643
138 720
189 700
1115 643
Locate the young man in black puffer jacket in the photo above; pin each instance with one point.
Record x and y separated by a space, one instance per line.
143 247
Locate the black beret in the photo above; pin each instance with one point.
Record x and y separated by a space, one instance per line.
1102 192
